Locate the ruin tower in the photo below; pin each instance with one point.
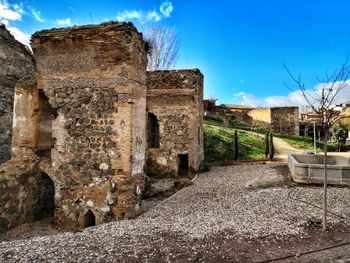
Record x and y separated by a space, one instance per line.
175 123
79 140
84 117
16 62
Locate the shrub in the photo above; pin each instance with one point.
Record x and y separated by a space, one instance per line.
267 146
235 146
271 148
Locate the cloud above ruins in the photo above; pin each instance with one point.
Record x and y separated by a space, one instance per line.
10 13
64 21
37 15
165 10
294 98
40 18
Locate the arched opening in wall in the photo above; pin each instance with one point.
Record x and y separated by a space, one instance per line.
153 131
43 204
89 219
46 114
183 164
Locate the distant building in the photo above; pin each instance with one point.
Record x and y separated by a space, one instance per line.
238 108
209 104
278 119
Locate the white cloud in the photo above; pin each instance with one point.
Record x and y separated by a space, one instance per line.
153 16
5 22
294 98
19 8
37 15
63 22
13 13
248 99
19 35
9 13
165 8
129 15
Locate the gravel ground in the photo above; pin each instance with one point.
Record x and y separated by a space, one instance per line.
195 223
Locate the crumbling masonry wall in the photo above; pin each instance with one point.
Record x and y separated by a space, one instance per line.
175 99
79 144
278 119
16 62
26 194
260 117
94 76
82 124
22 184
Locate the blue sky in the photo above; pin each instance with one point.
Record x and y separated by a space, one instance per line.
238 45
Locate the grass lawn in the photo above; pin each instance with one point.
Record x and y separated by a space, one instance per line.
218 144
299 142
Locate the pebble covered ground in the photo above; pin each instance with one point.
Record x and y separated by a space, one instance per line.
219 207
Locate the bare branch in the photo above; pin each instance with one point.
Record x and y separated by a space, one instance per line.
165 46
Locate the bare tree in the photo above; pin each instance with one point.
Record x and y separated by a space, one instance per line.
323 104
164 47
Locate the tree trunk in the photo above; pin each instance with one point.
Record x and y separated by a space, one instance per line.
324 221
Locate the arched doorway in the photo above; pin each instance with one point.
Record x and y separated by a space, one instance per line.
153 131
43 204
89 219
183 164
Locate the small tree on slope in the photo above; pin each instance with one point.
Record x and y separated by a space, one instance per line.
267 147
271 147
235 146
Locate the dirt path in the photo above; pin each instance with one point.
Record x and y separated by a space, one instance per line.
282 148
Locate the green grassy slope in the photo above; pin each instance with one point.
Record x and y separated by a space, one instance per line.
299 142
218 144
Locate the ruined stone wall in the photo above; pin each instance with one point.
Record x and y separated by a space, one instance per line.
261 117
25 121
242 117
278 119
94 79
176 99
26 194
16 62
285 120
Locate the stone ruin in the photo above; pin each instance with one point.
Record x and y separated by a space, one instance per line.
283 120
16 62
175 110
82 135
